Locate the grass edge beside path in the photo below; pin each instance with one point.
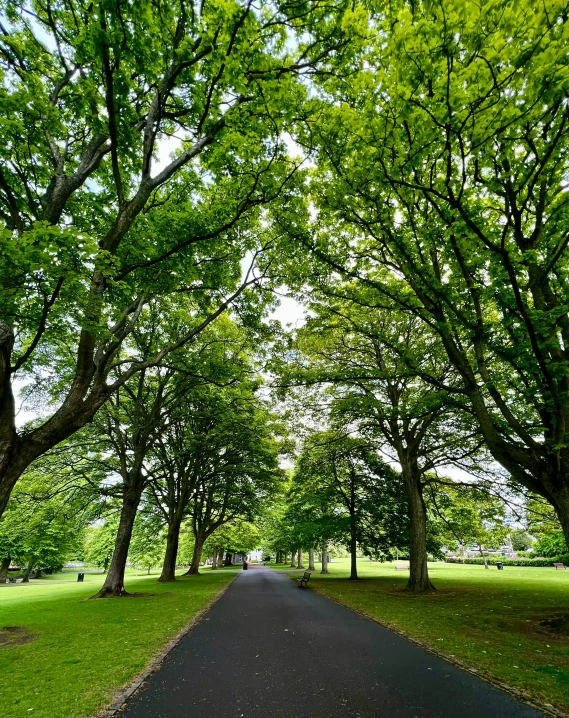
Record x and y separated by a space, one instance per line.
485 622
87 655
520 694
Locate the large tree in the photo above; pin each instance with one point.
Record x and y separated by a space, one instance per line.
442 167
118 445
239 469
185 450
373 361
96 220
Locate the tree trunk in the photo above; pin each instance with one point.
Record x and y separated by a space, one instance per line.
324 557
559 497
194 569
17 452
353 550
4 566
214 560
311 560
418 569
299 564
292 557
13 462
114 580
220 558
171 554
27 573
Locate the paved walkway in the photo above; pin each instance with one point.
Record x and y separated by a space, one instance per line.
267 648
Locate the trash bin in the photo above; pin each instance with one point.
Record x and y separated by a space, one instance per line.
500 566
245 567
80 577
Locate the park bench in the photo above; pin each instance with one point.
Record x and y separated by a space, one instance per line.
304 580
560 565
402 566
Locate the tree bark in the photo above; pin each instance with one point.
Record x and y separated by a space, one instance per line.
311 560
292 557
171 554
481 551
114 580
214 560
299 564
324 550
220 558
353 549
194 569
28 573
14 460
418 570
559 497
4 566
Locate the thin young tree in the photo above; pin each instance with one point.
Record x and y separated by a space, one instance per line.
347 472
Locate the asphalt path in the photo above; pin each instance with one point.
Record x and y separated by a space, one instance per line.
267 648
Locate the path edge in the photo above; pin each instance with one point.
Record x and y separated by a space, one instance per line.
121 696
487 677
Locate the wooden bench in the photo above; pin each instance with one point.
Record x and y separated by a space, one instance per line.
304 580
402 566
560 565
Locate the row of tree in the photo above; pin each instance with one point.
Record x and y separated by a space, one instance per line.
342 495
187 444
433 254
427 237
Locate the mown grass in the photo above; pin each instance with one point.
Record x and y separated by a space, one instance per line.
494 621
82 650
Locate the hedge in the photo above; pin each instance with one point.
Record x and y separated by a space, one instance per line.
493 560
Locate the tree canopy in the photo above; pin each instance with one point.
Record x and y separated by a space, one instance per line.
170 169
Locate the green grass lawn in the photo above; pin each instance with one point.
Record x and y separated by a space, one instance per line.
84 650
494 621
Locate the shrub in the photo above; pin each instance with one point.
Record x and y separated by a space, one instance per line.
552 544
493 560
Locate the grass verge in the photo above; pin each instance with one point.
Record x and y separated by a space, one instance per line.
511 625
77 653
